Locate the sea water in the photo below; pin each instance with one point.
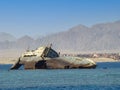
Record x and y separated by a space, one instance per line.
105 77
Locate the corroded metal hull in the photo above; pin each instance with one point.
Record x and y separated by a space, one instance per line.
54 63
47 58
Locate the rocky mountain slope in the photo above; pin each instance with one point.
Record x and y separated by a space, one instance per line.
6 37
100 37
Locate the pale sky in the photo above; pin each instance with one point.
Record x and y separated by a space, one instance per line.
43 17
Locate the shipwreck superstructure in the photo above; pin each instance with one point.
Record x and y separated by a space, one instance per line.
47 58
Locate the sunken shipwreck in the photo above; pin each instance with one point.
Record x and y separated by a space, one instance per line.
46 58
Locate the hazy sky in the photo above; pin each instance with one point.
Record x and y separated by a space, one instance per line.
42 17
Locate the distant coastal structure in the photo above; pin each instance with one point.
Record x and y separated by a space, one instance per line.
115 56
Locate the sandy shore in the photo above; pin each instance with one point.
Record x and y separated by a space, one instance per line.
104 60
12 60
10 57
7 60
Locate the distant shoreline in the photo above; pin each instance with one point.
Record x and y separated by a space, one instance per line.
10 56
8 60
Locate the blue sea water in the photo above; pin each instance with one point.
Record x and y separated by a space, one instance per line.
105 77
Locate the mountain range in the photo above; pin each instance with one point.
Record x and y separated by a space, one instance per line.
104 37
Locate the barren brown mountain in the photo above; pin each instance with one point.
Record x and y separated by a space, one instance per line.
100 37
